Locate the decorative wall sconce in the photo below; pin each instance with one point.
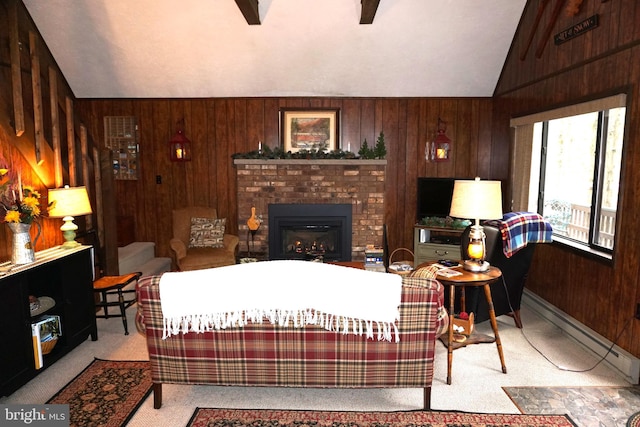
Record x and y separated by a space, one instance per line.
180 146
441 146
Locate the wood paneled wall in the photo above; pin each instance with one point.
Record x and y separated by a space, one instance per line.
603 61
35 105
218 128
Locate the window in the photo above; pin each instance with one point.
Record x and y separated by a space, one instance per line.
573 172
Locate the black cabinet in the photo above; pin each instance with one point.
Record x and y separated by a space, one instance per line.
66 275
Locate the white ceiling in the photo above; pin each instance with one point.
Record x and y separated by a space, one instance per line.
205 48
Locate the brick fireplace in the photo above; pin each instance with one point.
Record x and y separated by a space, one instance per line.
359 183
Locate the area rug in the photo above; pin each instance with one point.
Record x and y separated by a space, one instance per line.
634 420
106 393
207 417
587 406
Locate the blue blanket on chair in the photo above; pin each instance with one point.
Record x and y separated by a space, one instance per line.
521 228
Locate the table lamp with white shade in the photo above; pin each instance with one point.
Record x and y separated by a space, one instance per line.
476 199
66 203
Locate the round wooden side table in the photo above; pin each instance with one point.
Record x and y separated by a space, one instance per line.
468 278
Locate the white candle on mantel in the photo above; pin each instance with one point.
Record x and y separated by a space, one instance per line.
259 145
19 186
349 146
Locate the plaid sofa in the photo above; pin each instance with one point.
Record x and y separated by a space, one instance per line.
269 355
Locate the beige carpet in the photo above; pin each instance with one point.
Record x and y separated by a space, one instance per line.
477 378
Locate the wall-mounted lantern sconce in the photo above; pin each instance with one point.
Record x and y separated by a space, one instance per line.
441 147
180 146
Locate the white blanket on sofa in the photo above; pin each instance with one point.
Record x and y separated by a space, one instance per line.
342 299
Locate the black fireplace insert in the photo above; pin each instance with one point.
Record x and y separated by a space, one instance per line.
310 231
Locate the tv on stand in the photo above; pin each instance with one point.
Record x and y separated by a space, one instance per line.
434 197
434 203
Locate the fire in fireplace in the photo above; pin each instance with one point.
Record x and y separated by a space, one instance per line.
310 231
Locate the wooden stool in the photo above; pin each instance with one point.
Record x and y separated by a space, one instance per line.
114 285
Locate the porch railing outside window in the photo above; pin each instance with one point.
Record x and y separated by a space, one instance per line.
572 221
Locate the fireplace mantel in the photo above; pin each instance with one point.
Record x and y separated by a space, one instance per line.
361 183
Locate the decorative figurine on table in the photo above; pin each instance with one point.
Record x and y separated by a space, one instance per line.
253 223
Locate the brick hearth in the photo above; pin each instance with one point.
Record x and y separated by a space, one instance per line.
359 182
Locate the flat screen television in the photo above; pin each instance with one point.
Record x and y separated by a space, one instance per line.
434 197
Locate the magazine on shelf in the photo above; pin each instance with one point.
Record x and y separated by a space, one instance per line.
37 349
45 328
373 256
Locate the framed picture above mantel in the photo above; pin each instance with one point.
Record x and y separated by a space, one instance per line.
309 129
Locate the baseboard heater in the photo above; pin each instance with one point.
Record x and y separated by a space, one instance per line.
619 359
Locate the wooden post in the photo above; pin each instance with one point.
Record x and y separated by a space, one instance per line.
369 8
16 71
84 148
532 33
55 127
249 9
97 171
109 216
37 94
547 32
71 143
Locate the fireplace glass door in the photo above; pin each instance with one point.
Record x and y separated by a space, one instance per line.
310 232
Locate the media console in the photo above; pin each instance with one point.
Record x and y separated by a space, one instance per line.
66 275
434 243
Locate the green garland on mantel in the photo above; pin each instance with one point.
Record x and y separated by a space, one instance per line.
379 151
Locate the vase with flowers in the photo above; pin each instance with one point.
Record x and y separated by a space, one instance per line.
22 208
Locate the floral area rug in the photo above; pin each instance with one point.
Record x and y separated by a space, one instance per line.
107 393
281 418
588 406
634 420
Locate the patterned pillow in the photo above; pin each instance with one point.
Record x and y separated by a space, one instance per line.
207 232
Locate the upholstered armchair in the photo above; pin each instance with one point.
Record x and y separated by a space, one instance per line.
506 294
199 240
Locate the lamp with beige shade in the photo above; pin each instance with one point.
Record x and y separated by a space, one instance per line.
476 199
66 203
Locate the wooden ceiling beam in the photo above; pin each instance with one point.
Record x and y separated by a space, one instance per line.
369 9
249 9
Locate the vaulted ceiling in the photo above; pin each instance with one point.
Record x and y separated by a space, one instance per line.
222 48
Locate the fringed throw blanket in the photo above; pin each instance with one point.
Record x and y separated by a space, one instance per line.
287 293
520 228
